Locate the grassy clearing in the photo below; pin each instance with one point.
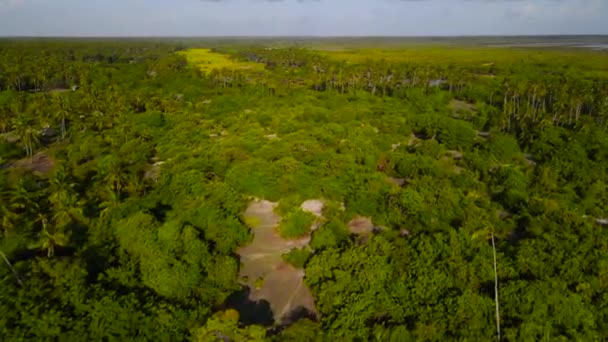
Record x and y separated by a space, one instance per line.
481 56
207 61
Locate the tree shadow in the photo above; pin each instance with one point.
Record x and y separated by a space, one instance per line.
160 211
250 312
95 261
297 314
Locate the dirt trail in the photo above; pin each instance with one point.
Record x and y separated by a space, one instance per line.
282 285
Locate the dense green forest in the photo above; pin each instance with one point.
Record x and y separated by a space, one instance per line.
173 191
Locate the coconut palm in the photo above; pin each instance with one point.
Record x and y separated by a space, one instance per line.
65 203
22 197
5 122
67 209
49 240
30 136
114 174
112 202
488 233
7 216
10 266
61 113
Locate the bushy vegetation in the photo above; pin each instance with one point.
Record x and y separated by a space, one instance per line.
297 257
296 224
126 167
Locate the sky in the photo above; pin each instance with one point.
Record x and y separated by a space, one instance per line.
301 17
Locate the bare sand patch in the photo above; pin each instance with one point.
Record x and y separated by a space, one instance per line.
361 225
461 106
282 285
314 206
40 164
397 181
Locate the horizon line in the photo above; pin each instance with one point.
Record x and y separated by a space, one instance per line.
307 36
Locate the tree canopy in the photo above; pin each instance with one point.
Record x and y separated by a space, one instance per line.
460 188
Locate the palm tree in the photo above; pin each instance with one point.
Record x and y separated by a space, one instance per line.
485 233
67 210
10 266
64 200
5 122
135 184
111 203
30 136
22 198
61 114
49 240
7 216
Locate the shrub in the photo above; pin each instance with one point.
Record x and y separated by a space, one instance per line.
296 224
297 257
456 134
504 147
330 235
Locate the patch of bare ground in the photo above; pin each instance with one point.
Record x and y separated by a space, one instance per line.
263 269
315 207
40 164
483 134
153 171
59 90
461 106
9 137
530 159
361 225
397 181
414 139
456 155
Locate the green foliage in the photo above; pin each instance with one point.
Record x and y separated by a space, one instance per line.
296 224
153 119
330 235
225 325
297 257
456 134
304 330
504 147
412 202
122 199
254 177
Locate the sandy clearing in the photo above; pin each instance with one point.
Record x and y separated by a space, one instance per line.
282 284
40 164
361 225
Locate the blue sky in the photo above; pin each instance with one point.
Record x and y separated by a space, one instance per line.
301 17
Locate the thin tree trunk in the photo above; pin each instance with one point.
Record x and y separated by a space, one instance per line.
12 269
62 128
496 292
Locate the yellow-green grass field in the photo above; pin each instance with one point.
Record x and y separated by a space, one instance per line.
592 61
207 61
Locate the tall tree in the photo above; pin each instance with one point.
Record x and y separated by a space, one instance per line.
29 135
